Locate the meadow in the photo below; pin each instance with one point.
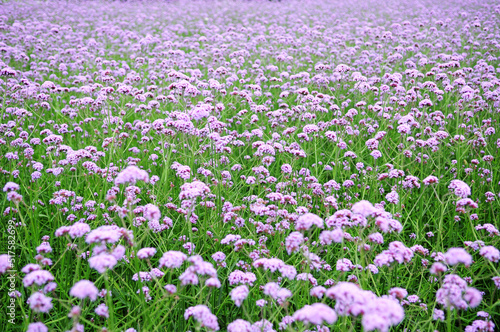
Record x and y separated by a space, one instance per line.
249 166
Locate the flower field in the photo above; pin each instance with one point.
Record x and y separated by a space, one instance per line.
250 166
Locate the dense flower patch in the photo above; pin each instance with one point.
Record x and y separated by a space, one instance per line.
250 166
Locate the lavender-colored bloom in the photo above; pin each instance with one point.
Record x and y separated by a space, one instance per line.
11 186
118 252
193 190
146 253
473 297
481 326
430 180
50 287
83 289
490 253
381 314
293 242
262 326
30 268
219 256
460 188
239 294
78 229
398 293
318 291
189 277
455 293
240 325
363 208
5 263
102 310
172 259
38 277
37 327
438 268
344 265
261 303
171 289
239 277
350 299
102 262
131 175
152 212
455 256
286 168
213 282
39 302
438 315
392 197
316 314
107 234
397 252
306 221
203 315
496 280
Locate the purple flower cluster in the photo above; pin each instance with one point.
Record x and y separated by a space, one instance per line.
293 162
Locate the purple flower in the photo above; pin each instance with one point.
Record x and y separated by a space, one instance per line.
239 294
240 325
261 303
11 186
5 263
490 253
39 302
203 315
131 175
293 242
152 212
392 197
239 277
106 234
102 310
219 256
473 297
306 221
496 280
78 229
397 252
438 268
438 315
381 314
328 237
83 289
171 289
344 265
316 314
102 262
39 277
37 327
172 259
318 291
455 256
430 179
460 188
454 293
146 253
350 299
398 293
363 208
286 168
213 282
194 189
